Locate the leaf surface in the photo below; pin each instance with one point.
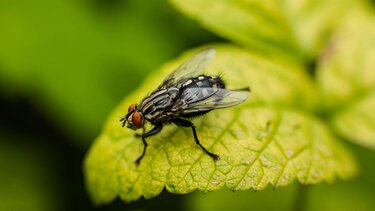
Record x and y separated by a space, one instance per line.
357 121
346 78
260 142
293 28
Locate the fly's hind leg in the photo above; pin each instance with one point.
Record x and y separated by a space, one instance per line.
152 132
186 123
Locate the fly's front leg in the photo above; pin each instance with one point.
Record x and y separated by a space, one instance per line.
153 131
186 123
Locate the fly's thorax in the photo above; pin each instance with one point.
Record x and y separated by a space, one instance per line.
154 105
203 81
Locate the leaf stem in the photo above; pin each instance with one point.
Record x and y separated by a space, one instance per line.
301 197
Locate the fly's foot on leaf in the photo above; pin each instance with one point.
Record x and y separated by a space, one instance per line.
214 156
137 162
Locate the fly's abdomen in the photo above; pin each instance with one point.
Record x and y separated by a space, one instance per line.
194 93
155 104
203 81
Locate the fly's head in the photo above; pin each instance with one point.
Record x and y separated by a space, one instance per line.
134 118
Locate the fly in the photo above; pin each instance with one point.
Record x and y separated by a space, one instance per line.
186 93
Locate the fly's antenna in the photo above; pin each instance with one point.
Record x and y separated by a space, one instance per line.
123 119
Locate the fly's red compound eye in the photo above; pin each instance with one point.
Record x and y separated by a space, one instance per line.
137 119
131 107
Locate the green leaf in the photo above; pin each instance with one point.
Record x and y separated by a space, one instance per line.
346 78
345 68
282 200
351 195
293 27
260 142
357 121
28 175
75 61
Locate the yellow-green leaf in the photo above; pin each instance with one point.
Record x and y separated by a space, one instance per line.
260 142
357 121
346 67
294 28
346 78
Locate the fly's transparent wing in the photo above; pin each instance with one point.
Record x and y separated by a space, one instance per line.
195 100
192 67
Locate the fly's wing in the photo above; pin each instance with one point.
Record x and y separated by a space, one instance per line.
196 100
192 67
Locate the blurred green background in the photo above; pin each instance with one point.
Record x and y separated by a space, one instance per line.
65 64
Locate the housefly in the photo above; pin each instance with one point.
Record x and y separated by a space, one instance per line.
186 93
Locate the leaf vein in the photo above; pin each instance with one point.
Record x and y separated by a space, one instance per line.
268 141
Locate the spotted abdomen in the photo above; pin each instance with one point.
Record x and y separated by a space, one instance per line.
195 91
203 81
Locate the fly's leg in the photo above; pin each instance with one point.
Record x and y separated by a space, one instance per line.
152 132
186 123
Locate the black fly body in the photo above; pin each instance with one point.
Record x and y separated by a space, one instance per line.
184 94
